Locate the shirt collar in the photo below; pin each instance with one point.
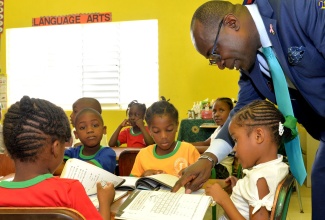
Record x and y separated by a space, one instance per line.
265 40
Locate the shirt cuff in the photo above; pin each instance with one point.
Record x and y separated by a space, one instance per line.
220 148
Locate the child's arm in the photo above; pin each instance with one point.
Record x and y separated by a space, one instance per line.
113 140
105 197
146 136
263 190
222 198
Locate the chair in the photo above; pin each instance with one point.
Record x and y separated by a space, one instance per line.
7 165
126 161
39 213
282 198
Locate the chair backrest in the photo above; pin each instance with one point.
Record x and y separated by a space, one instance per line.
7 165
126 161
282 198
39 213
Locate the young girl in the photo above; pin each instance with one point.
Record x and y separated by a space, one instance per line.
90 129
138 134
35 134
258 130
220 108
167 155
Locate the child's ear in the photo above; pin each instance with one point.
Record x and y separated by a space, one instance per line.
104 129
55 148
75 134
259 134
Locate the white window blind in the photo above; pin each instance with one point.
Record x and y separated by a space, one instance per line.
114 62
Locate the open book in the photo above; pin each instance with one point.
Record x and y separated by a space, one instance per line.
129 184
158 182
148 205
89 174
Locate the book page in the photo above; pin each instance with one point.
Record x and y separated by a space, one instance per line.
88 174
148 205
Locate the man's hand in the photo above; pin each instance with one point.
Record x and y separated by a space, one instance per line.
194 176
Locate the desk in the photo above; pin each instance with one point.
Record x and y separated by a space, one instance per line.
190 130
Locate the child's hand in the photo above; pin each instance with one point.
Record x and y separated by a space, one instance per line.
125 123
232 181
152 172
105 194
216 192
139 123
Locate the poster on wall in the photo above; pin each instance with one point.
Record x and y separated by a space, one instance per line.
3 91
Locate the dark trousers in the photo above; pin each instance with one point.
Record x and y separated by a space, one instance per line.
315 126
318 182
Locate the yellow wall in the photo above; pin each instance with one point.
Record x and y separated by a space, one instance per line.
184 75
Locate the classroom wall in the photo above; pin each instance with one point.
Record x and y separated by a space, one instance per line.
184 75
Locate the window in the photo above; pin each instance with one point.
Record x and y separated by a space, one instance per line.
115 62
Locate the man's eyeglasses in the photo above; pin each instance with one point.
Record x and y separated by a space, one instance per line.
214 58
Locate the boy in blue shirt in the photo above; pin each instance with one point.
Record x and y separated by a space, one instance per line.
90 128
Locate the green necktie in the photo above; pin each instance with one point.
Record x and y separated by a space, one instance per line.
283 100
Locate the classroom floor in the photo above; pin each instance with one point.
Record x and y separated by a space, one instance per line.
294 209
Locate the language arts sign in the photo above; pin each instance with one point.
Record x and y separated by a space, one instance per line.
73 19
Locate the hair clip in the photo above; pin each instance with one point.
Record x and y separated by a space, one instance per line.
281 129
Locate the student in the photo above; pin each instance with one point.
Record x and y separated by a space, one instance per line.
138 134
35 134
220 108
258 130
167 155
85 102
90 128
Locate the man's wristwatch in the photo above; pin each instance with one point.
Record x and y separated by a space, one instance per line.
209 158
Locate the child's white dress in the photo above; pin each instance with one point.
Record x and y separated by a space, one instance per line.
245 192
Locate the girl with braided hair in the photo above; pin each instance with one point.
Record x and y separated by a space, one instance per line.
258 130
167 155
136 134
35 135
